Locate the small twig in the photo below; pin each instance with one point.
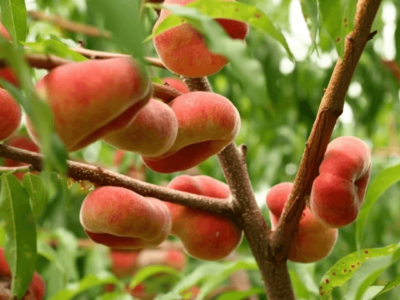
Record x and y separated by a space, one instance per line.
80 171
93 54
393 66
68 25
15 170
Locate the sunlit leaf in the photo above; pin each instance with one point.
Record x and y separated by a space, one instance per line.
13 17
145 273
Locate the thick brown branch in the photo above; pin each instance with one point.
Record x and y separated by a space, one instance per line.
330 109
69 25
80 171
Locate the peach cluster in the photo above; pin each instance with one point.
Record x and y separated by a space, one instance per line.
204 235
119 218
207 123
36 289
92 98
313 241
339 189
183 49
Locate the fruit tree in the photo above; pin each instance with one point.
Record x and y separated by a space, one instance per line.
199 149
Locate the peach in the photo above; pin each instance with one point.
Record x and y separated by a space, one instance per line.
152 132
207 123
123 263
119 218
339 190
92 98
7 73
176 259
21 142
183 49
36 289
10 115
177 84
204 235
313 240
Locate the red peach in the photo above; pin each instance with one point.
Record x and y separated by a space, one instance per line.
313 241
7 73
119 218
207 123
93 98
152 133
339 190
123 263
204 235
183 49
10 115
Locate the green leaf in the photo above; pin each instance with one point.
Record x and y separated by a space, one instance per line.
13 17
36 189
52 46
234 11
381 183
85 284
309 9
115 296
305 276
247 70
67 252
239 295
122 19
333 16
216 278
345 268
20 227
50 254
145 273
391 285
367 275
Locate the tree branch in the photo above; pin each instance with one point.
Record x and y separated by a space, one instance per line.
66 24
80 171
329 111
233 162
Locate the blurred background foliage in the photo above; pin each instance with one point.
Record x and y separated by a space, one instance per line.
275 131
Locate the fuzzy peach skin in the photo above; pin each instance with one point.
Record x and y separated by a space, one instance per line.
7 73
338 191
207 122
36 289
119 218
152 132
204 235
177 84
92 98
183 49
10 115
123 263
313 241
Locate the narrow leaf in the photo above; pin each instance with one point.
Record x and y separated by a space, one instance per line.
20 227
381 183
145 273
85 284
13 17
345 268
239 295
391 285
34 185
52 46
